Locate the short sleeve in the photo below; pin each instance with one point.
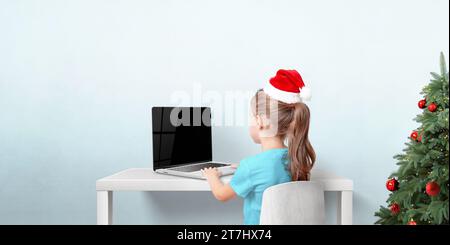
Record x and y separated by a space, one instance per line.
241 182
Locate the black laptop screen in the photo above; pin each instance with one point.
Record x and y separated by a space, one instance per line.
181 135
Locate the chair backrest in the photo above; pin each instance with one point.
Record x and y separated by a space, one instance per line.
293 203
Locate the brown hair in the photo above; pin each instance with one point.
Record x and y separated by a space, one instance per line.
292 121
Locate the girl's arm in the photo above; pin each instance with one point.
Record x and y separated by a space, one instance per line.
222 192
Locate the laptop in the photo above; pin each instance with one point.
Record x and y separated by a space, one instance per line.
182 142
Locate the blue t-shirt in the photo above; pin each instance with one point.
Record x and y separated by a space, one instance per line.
254 175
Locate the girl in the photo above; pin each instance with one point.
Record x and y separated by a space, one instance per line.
279 117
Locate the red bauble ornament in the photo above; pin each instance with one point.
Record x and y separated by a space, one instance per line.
422 104
432 107
414 135
419 139
412 222
395 208
432 188
392 184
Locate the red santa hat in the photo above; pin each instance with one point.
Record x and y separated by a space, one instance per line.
287 86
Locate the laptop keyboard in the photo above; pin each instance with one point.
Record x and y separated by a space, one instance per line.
197 167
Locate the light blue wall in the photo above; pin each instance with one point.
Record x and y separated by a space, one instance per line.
77 80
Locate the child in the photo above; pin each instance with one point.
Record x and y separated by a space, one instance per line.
279 116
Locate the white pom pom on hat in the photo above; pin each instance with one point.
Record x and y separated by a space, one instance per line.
305 93
288 86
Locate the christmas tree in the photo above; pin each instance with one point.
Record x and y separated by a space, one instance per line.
419 188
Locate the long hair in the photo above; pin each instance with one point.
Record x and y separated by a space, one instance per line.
291 123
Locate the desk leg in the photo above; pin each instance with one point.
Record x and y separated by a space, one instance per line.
345 208
104 207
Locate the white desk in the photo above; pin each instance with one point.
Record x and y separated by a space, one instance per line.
144 179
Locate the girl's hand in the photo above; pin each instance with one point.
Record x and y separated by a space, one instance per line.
222 192
210 173
234 165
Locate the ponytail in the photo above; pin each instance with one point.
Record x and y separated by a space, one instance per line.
293 126
300 150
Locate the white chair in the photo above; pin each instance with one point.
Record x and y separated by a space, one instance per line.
293 203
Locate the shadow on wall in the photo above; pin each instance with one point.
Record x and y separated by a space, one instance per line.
192 208
363 200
